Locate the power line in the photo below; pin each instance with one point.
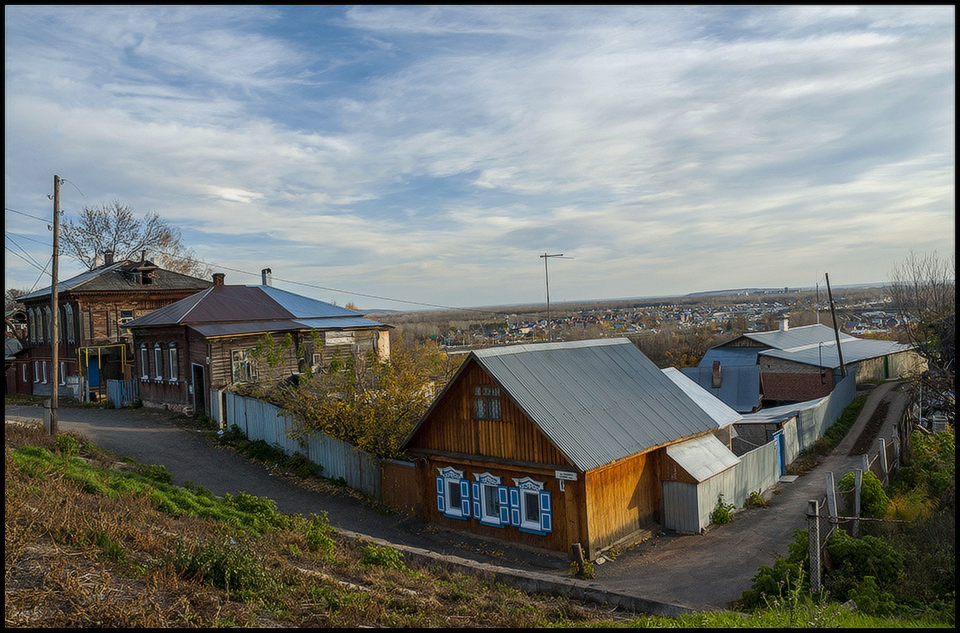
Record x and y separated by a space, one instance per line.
26 214
30 239
37 266
24 250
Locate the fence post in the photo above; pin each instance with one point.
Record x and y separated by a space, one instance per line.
831 497
883 459
813 539
857 481
866 462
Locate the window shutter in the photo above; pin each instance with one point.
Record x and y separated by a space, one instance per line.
441 504
504 499
546 515
465 498
477 510
514 506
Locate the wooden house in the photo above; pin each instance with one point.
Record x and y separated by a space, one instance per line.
209 341
94 306
553 444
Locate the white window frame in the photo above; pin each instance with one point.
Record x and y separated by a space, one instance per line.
63 373
24 372
43 371
158 360
529 487
173 354
453 480
240 360
69 322
482 511
144 362
47 325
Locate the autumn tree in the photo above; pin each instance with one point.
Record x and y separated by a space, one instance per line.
116 228
370 402
923 290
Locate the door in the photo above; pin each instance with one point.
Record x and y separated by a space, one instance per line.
199 390
778 437
93 371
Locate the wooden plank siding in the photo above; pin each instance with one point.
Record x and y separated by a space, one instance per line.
451 427
621 498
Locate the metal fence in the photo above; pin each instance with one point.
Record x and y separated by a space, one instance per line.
263 421
123 393
813 423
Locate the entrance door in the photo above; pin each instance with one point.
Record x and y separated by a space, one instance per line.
93 371
778 436
199 389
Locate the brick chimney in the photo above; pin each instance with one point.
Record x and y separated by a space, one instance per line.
717 378
218 279
784 323
266 277
108 258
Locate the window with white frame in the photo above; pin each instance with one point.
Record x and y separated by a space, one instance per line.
47 324
487 493
174 363
63 373
453 493
43 372
23 372
158 361
144 362
530 506
243 367
69 324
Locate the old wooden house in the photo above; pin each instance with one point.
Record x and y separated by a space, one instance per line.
94 307
231 335
554 444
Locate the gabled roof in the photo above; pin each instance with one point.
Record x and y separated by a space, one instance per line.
716 408
739 389
703 457
241 309
122 276
730 356
597 401
797 336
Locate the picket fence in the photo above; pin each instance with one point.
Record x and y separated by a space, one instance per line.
263 421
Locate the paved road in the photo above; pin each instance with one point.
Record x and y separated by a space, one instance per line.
702 572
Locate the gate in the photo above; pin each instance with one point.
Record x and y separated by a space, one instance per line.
123 393
778 438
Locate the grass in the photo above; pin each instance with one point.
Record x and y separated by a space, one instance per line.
86 545
810 457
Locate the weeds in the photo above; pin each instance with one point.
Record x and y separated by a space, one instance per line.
723 513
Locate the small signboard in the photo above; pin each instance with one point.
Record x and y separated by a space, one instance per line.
568 476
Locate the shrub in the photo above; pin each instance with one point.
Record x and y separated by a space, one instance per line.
755 500
67 445
318 535
774 582
227 565
382 557
873 500
855 559
723 513
870 599
158 472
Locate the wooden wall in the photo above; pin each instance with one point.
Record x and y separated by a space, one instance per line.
622 498
450 426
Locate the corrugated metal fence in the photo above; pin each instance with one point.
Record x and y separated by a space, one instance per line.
263 421
123 393
687 507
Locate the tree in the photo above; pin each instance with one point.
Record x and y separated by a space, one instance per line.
115 228
923 289
9 304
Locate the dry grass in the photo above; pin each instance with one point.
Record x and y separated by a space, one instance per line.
74 557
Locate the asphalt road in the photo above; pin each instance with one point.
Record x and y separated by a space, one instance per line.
702 572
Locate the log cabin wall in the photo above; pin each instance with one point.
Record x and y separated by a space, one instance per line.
451 426
622 498
567 505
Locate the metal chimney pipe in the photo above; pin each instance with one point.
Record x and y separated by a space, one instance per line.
266 277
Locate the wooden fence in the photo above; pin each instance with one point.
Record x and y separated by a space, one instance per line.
359 470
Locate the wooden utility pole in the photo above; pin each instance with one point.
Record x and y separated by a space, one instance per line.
836 331
55 310
546 275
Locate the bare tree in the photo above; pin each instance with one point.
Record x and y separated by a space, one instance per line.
115 228
923 289
10 305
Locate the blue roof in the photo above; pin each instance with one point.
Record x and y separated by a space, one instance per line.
739 388
730 356
301 307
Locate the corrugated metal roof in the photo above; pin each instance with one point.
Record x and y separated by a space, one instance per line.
853 350
597 401
797 336
703 457
236 328
775 415
739 389
715 408
730 356
243 303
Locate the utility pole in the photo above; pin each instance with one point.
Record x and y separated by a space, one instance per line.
55 310
545 257
833 313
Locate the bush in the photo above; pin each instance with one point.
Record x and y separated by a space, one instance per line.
382 557
873 500
158 472
723 513
227 565
855 559
67 445
870 599
318 535
755 500
773 582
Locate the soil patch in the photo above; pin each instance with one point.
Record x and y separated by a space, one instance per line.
869 434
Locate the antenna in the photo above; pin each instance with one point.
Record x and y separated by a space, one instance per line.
546 274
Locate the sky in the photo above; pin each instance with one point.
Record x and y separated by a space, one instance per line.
414 156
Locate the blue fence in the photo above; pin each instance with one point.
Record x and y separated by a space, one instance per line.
123 393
